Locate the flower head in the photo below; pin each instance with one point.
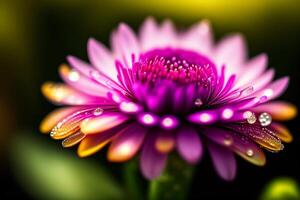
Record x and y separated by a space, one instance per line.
163 90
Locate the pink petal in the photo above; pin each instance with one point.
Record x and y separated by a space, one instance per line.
63 94
80 65
125 44
101 58
274 89
102 123
263 80
152 162
167 34
148 33
154 36
223 160
189 145
199 38
81 83
252 69
126 144
232 52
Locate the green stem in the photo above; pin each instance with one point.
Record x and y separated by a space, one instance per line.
174 182
133 180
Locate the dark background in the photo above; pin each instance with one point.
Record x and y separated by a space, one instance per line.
36 36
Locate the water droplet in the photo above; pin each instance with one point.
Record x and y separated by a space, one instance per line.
250 116
268 92
73 76
228 140
250 152
98 111
198 102
265 119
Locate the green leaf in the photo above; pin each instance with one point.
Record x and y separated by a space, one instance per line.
48 172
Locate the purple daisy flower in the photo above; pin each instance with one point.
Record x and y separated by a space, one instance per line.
163 90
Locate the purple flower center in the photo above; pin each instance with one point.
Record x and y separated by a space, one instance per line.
178 65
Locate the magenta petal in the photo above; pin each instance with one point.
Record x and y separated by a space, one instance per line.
223 160
189 145
152 162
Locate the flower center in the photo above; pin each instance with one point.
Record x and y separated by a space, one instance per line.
178 65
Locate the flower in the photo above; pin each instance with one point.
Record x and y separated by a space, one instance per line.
163 90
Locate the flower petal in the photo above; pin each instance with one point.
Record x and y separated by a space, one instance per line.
223 160
198 38
102 58
252 69
279 110
189 145
148 33
274 89
237 143
282 132
102 123
152 162
125 44
71 124
264 136
165 142
63 94
56 116
80 65
94 142
232 52
126 143
73 139
204 117
81 83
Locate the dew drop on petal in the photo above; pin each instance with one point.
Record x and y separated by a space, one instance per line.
250 152
73 76
98 111
228 140
265 119
198 102
268 92
250 116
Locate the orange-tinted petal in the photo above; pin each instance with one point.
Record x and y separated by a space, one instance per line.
73 139
54 117
63 94
282 132
279 110
237 143
71 124
126 144
93 143
263 136
165 142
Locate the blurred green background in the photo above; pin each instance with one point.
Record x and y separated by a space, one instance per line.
36 36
